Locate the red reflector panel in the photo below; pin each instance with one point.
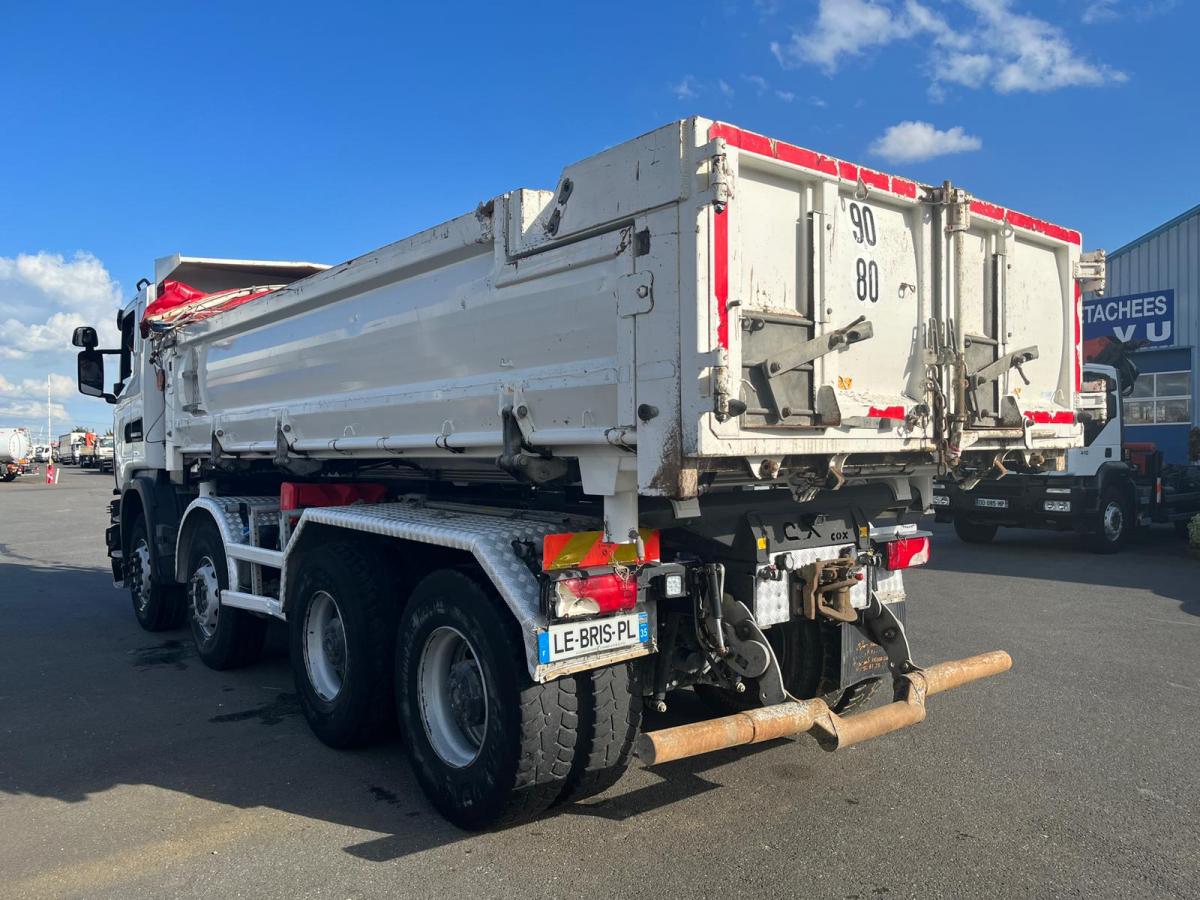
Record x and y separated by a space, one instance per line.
907 552
587 549
294 496
597 594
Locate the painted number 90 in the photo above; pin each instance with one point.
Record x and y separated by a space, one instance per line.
863 221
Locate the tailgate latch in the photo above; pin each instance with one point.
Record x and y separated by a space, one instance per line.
804 354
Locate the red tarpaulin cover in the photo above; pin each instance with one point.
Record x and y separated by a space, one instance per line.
178 303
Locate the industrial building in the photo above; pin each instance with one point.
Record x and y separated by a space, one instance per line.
1153 297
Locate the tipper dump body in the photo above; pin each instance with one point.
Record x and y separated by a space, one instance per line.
667 425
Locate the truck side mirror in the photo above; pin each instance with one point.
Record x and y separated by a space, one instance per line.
85 336
90 373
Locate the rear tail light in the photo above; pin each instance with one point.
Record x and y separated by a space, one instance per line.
907 552
591 595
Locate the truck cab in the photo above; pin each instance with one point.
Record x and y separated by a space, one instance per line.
1109 485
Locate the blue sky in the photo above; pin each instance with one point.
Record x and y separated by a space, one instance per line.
319 131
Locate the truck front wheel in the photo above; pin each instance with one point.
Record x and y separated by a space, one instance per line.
158 607
974 532
342 626
225 637
1111 528
488 745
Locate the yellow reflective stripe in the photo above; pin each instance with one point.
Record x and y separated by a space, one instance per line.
576 549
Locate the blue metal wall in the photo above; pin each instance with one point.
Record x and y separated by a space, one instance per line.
1168 258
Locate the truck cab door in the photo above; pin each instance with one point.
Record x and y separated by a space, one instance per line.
128 434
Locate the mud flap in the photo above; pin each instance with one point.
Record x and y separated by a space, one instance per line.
861 657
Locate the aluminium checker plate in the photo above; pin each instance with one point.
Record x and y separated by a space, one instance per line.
489 538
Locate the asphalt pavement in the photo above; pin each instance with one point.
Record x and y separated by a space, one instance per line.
127 768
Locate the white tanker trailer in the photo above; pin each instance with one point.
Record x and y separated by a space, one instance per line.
16 452
519 476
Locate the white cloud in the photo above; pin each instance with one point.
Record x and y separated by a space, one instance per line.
992 46
27 400
967 69
724 87
1030 54
785 96
760 84
43 297
916 141
1099 11
686 88
845 28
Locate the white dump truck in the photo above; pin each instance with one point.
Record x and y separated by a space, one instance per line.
520 476
16 452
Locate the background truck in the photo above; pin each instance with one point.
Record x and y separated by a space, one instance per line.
519 476
1109 486
68 447
85 452
104 453
16 452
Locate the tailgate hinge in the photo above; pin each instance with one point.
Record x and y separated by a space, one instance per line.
957 203
1090 272
720 177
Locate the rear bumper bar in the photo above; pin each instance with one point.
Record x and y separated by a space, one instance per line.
815 716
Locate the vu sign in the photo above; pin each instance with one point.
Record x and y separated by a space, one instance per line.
1149 317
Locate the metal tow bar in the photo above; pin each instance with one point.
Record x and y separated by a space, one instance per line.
831 730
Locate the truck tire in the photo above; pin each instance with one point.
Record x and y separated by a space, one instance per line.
1112 524
974 532
807 654
226 637
157 606
342 625
488 745
610 719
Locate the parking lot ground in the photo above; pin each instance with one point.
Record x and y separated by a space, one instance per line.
129 769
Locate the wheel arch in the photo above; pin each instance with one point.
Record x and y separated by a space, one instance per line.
1113 475
486 544
199 511
158 503
406 560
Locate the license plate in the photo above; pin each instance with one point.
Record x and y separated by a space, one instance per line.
941 500
568 640
989 503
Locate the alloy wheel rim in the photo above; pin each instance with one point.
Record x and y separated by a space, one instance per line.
140 576
204 596
452 689
325 650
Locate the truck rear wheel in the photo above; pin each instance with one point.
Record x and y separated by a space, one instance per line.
226 637
489 746
974 532
1111 526
157 606
342 626
610 719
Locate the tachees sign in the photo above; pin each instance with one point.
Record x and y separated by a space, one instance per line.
1148 317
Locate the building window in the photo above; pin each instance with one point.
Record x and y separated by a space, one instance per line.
1160 398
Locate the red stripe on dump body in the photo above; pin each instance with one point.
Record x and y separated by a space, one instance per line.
847 171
